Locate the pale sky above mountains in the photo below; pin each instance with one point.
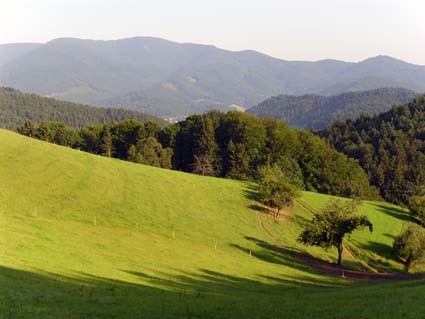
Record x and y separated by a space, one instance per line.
349 30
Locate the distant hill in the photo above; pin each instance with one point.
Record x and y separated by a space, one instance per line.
173 79
390 147
9 52
318 112
17 107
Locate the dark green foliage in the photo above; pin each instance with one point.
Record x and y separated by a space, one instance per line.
242 140
195 147
237 144
330 172
317 112
410 246
237 164
53 132
390 147
232 145
106 146
417 207
16 108
329 227
274 190
150 152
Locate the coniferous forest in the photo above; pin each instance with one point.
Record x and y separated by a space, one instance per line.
17 107
390 147
318 112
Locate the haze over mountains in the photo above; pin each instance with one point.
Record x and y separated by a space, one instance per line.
8 52
172 79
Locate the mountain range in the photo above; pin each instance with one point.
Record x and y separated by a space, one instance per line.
173 79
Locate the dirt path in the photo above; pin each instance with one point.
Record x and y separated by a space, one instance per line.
274 239
331 268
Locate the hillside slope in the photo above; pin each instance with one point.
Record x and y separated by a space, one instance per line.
17 107
317 111
167 78
87 236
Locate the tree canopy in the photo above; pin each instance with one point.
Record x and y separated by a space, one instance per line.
417 207
274 190
410 246
390 147
330 226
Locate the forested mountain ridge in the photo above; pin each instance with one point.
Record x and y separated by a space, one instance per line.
317 112
171 79
17 107
390 147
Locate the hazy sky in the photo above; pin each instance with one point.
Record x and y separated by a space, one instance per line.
294 30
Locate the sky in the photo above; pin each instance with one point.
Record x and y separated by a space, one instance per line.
350 30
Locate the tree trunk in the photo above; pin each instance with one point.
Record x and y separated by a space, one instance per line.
408 263
340 249
276 214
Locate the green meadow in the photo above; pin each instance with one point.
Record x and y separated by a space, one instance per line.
84 236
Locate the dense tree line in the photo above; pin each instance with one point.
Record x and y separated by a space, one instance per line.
390 147
233 145
318 112
17 107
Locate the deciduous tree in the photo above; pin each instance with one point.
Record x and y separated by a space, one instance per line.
410 246
330 226
274 190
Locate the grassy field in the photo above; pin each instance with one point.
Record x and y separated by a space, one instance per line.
82 236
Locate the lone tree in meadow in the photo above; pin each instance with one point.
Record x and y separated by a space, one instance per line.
329 227
273 189
410 246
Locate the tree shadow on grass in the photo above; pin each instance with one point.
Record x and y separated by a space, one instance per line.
390 236
395 212
207 281
261 209
251 192
379 249
200 294
284 256
383 251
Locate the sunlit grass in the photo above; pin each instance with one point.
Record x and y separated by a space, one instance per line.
83 236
